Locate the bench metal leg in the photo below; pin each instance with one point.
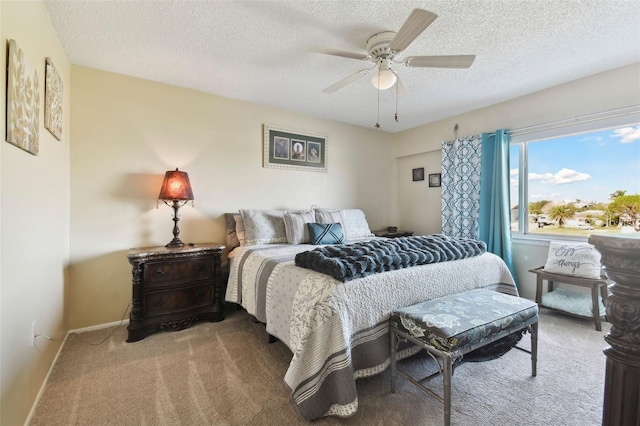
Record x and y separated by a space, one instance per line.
392 353
448 358
534 348
448 372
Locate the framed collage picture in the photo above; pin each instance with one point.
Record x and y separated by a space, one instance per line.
294 149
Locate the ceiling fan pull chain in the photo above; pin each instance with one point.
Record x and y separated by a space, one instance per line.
397 94
377 126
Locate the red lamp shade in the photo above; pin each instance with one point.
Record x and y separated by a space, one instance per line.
176 186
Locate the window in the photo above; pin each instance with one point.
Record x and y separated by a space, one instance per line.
577 184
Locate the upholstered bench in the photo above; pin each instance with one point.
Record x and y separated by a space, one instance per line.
452 326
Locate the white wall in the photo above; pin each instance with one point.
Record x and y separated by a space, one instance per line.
421 146
35 223
127 132
418 201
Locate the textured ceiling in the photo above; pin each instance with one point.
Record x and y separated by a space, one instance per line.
258 51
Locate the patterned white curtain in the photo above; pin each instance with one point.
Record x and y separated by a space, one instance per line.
461 166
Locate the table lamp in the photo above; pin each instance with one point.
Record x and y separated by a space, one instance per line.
176 192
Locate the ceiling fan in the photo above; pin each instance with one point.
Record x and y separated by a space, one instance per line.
383 47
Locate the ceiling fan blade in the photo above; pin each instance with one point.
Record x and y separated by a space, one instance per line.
415 24
346 81
337 52
451 61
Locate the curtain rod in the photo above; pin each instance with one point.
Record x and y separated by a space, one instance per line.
612 113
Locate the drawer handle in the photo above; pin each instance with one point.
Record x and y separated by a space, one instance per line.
158 273
158 301
199 267
200 294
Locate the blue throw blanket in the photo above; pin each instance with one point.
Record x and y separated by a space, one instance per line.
346 262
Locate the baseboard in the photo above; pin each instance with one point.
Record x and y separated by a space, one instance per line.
55 359
99 326
46 380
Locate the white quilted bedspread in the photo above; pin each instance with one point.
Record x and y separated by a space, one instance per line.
318 317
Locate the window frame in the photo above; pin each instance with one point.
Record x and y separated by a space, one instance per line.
624 117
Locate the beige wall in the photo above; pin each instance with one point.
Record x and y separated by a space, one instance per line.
127 132
35 223
420 146
69 215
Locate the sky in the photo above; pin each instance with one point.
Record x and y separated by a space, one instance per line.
588 166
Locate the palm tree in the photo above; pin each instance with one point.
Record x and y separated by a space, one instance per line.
562 213
627 206
616 194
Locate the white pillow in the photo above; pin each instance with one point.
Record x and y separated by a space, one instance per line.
357 226
353 221
263 226
324 216
295 224
239 229
575 259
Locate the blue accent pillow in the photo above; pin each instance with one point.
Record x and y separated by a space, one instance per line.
325 233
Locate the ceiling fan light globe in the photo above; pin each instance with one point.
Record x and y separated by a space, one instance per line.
384 80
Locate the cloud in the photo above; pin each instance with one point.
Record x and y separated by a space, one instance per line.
563 176
628 134
544 196
591 139
514 177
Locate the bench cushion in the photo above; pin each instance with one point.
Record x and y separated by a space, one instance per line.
461 319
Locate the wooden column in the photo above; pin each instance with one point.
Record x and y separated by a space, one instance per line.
621 261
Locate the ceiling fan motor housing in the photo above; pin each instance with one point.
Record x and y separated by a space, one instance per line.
378 45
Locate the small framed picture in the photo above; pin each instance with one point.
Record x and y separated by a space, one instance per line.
434 179
281 148
313 152
298 149
418 174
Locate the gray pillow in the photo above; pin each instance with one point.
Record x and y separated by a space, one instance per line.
263 226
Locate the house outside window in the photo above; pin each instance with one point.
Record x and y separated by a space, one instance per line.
579 183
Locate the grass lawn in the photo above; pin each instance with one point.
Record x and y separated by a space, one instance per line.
578 232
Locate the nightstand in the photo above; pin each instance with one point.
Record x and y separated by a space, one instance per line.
173 287
395 234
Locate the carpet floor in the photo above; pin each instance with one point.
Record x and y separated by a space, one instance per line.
227 374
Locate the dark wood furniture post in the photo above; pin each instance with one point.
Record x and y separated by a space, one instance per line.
173 287
621 261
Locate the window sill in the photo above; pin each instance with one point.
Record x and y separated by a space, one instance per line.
540 240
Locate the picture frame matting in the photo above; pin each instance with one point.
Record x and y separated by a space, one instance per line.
435 180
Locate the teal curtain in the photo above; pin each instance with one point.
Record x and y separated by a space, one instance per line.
495 217
461 186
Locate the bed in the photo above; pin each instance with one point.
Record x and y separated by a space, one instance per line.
338 332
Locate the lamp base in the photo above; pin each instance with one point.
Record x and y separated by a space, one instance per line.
176 242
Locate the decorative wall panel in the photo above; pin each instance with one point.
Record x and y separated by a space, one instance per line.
23 101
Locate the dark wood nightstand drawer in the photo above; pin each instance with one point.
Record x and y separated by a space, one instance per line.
171 301
158 273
